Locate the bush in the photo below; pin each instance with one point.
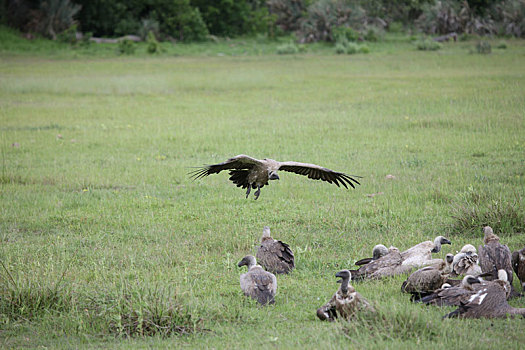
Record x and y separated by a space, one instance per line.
502 45
325 15
364 49
126 47
352 48
483 47
69 35
345 33
446 16
288 13
428 45
53 17
373 33
287 49
340 48
153 45
511 16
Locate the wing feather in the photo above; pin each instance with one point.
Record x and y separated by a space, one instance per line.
317 172
241 161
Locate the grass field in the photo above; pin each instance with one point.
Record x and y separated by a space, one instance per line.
103 234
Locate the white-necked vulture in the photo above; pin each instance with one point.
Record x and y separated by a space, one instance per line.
256 283
421 254
494 256
275 256
378 251
388 265
518 264
248 172
345 303
489 301
466 262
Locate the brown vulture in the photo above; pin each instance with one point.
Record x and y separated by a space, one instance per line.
248 172
346 302
518 264
275 256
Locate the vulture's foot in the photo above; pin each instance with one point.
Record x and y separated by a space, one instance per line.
258 192
248 191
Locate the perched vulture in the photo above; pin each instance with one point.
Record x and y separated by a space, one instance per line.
345 302
248 172
421 254
386 266
452 296
489 301
275 256
494 256
427 279
518 264
257 283
378 251
466 262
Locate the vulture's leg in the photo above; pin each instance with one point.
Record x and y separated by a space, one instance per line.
248 191
258 192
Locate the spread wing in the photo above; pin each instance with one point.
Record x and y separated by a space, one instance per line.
316 172
241 161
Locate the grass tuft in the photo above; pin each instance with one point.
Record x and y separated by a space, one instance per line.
145 312
480 209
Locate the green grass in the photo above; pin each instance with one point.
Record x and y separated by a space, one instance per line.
103 234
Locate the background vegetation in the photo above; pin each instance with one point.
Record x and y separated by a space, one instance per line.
106 242
308 20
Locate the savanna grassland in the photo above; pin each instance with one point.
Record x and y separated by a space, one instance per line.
106 242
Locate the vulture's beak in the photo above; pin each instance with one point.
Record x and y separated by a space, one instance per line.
274 176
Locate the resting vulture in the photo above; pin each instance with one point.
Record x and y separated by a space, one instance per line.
345 302
466 262
378 251
427 279
386 266
489 301
421 254
248 172
518 264
452 296
275 256
257 283
494 256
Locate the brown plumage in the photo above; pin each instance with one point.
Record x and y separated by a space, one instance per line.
386 266
494 256
426 280
248 172
256 283
421 254
489 301
452 296
518 264
275 256
378 251
345 303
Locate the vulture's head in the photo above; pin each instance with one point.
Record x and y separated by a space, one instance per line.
469 280
468 248
438 242
449 258
248 260
266 231
502 275
379 251
344 275
489 235
272 175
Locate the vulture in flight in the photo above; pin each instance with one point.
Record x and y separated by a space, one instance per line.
248 172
